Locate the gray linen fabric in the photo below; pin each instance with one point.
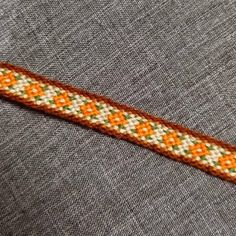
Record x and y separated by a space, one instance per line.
172 58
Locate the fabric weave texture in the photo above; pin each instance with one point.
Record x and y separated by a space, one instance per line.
118 120
172 58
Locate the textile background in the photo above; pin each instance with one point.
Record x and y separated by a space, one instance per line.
172 58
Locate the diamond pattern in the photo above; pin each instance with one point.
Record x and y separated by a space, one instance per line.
125 122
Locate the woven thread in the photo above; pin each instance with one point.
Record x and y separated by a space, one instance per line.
121 121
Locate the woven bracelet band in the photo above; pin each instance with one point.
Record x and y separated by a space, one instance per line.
121 121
